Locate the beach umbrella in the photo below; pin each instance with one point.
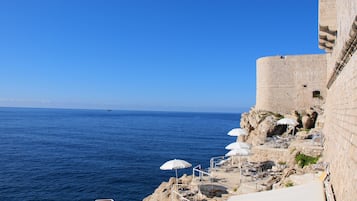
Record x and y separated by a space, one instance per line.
237 132
240 152
287 121
238 145
175 165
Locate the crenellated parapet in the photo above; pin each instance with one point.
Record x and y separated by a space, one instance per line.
327 38
348 49
327 24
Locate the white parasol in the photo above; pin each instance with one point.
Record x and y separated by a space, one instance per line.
240 152
237 132
238 145
175 165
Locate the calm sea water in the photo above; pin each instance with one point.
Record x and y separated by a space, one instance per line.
57 154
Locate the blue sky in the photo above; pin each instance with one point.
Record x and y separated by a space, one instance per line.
179 55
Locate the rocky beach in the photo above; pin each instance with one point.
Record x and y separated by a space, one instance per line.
282 156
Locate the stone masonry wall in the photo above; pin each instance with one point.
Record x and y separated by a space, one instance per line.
341 132
262 153
286 83
341 110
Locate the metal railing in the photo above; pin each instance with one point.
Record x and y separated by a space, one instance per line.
198 170
217 161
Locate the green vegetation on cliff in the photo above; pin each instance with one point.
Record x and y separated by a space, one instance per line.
303 160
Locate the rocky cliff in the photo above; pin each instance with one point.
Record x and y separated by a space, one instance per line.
270 142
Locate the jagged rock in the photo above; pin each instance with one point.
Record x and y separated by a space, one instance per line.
256 139
252 119
320 121
261 124
185 179
308 122
163 192
310 117
244 122
267 126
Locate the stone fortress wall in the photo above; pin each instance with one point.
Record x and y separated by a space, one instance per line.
286 83
281 88
341 103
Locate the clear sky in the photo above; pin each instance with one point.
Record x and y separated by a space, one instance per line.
179 55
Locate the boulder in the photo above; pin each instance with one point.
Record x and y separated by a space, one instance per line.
185 179
244 122
267 126
308 122
256 139
260 124
163 192
252 119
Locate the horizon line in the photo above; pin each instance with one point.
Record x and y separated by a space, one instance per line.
131 110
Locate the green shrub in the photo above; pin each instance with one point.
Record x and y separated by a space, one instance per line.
282 163
278 116
305 129
289 184
303 160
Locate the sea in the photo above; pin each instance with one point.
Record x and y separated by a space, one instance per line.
72 154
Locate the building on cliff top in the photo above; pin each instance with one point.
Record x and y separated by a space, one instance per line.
285 83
